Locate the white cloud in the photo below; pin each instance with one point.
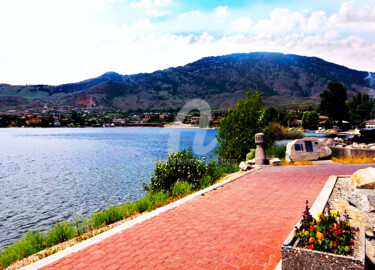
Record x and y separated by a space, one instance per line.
150 4
350 12
141 24
46 43
192 13
221 11
281 20
242 25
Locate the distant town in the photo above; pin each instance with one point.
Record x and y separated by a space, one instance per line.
70 116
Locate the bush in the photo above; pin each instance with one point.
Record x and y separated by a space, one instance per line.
274 131
207 181
181 188
276 151
61 232
180 166
30 243
250 155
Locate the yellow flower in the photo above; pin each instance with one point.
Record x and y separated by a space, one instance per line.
320 214
334 213
319 235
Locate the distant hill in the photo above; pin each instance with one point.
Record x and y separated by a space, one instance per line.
284 80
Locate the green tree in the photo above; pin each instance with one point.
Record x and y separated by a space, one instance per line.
361 107
333 102
238 127
270 114
310 120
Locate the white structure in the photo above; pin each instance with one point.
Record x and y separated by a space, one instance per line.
309 148
370 123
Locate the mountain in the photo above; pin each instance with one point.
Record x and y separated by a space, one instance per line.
284 79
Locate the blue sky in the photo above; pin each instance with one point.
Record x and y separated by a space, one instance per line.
60 41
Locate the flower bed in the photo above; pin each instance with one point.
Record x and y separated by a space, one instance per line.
324 243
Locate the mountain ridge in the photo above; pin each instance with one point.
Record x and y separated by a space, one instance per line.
220 80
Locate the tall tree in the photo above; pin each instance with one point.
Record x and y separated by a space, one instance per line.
238 127
361 107
333 102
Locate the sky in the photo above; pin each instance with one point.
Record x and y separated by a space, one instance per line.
63 41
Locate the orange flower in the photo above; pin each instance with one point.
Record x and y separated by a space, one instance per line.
320 214
311 240
319 235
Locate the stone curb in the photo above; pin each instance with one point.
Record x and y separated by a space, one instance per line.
319 204
91 241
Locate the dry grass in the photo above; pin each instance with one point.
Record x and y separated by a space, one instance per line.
362 160
297 163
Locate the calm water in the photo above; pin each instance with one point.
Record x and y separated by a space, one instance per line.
47 175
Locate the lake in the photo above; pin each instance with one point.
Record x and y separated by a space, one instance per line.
48 175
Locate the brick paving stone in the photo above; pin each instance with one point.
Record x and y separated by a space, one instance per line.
241 225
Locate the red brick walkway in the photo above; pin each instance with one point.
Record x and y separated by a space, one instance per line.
238 226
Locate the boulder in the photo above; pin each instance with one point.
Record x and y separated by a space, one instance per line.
370 253
363 199
274 162
251 162
244 166
364 178
359 218
308 148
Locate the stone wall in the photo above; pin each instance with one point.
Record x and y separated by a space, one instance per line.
344 152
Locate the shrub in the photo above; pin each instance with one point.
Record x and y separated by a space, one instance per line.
250 155
181 188
159 198
179 166
276 151
60 233
274 131
328 233
207 181
30 243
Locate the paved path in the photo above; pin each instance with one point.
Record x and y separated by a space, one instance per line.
238 226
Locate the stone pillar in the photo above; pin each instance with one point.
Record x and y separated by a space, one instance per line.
260 156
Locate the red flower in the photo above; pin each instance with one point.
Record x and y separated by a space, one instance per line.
311 228
311 246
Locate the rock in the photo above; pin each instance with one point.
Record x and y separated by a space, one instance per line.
244 167
370 252
364 179
308 148
274 162
363 199
372 148
251 162
370 233
359 218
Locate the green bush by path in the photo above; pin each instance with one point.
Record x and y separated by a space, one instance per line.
181 188
276 151
61 232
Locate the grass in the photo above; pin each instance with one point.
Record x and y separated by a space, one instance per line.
33 242
362 160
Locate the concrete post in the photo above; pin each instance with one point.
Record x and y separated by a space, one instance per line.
260 156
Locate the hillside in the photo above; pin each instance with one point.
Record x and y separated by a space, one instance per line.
221 81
